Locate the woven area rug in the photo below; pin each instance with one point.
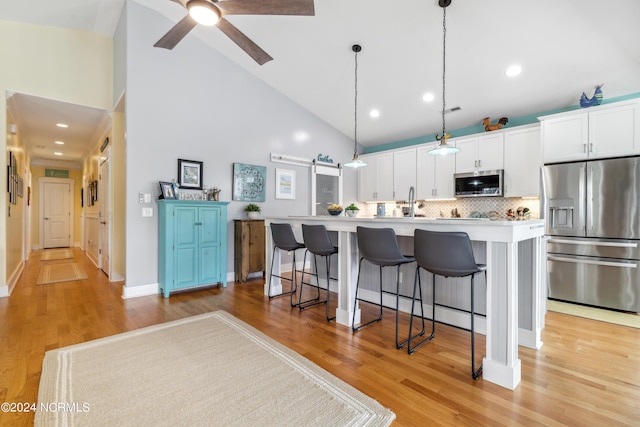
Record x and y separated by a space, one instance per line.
55 273
52 254
609 316
205 370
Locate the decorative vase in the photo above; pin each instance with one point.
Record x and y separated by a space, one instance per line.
253 215
351 212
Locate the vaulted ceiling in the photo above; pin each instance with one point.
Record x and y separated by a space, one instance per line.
564 48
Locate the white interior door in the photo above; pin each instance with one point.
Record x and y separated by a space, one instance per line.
104 214
56 218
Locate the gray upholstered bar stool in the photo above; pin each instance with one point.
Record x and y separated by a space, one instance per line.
379 246
284 240
447 254
318 243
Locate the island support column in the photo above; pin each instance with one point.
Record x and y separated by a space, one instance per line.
276 286
501 364
348 275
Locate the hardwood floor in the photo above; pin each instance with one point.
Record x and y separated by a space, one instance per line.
587 372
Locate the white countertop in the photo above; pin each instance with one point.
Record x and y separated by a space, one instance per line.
478 228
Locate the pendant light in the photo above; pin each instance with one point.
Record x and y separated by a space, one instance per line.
443 148
355 163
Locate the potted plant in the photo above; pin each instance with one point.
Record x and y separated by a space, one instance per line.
252 210
352 210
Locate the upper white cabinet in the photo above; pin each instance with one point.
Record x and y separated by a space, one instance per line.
404 173
375 181
610 130
522 162
434 175
480 152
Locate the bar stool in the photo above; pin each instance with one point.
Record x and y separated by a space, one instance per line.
379 246
318 243
447 254
285 240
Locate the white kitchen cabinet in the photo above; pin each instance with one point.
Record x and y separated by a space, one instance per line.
480 153
375 181
404 173
610 130
434 174
522 162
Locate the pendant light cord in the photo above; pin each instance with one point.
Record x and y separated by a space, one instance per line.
355 107
444 55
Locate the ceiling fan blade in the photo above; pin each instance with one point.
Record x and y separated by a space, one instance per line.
267 7
245 43
177 33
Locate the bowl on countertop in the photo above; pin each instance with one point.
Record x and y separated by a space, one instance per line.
334 212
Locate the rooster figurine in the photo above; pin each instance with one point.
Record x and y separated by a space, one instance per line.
489 127
446 136
596 99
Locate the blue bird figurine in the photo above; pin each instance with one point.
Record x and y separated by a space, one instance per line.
596 99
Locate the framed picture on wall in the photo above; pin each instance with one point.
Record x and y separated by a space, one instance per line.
285 184
190 174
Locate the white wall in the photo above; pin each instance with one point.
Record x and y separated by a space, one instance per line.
193 103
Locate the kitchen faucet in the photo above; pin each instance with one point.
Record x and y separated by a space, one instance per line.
412 201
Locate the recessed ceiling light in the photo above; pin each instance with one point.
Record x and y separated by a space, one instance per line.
58 142
62 125
57 153
374 113
428 97
513 71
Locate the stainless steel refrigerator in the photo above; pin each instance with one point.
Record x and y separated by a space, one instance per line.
592 213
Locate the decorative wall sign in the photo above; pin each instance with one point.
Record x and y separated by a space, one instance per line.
324 158
285 184
249 182
56 173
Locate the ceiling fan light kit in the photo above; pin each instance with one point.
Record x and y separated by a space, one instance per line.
203 12
355 162
444 149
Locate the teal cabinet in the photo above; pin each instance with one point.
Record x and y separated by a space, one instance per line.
192 244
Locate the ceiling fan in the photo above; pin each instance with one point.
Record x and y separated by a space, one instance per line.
212 12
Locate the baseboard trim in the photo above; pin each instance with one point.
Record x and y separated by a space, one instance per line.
140 291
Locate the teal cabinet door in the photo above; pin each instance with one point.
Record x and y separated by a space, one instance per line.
186 247
210 268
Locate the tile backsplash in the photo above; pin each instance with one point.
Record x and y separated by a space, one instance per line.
436 208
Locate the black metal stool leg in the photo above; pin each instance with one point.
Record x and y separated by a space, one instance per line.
304 262
362 325
292 279
328 262
417 281
314 301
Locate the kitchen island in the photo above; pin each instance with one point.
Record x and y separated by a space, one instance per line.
515 297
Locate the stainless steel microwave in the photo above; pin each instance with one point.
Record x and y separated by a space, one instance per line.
479 184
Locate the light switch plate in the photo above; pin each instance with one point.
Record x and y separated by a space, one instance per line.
147 197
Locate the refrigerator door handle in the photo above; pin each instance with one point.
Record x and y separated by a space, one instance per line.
592 262
595 243
589 199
